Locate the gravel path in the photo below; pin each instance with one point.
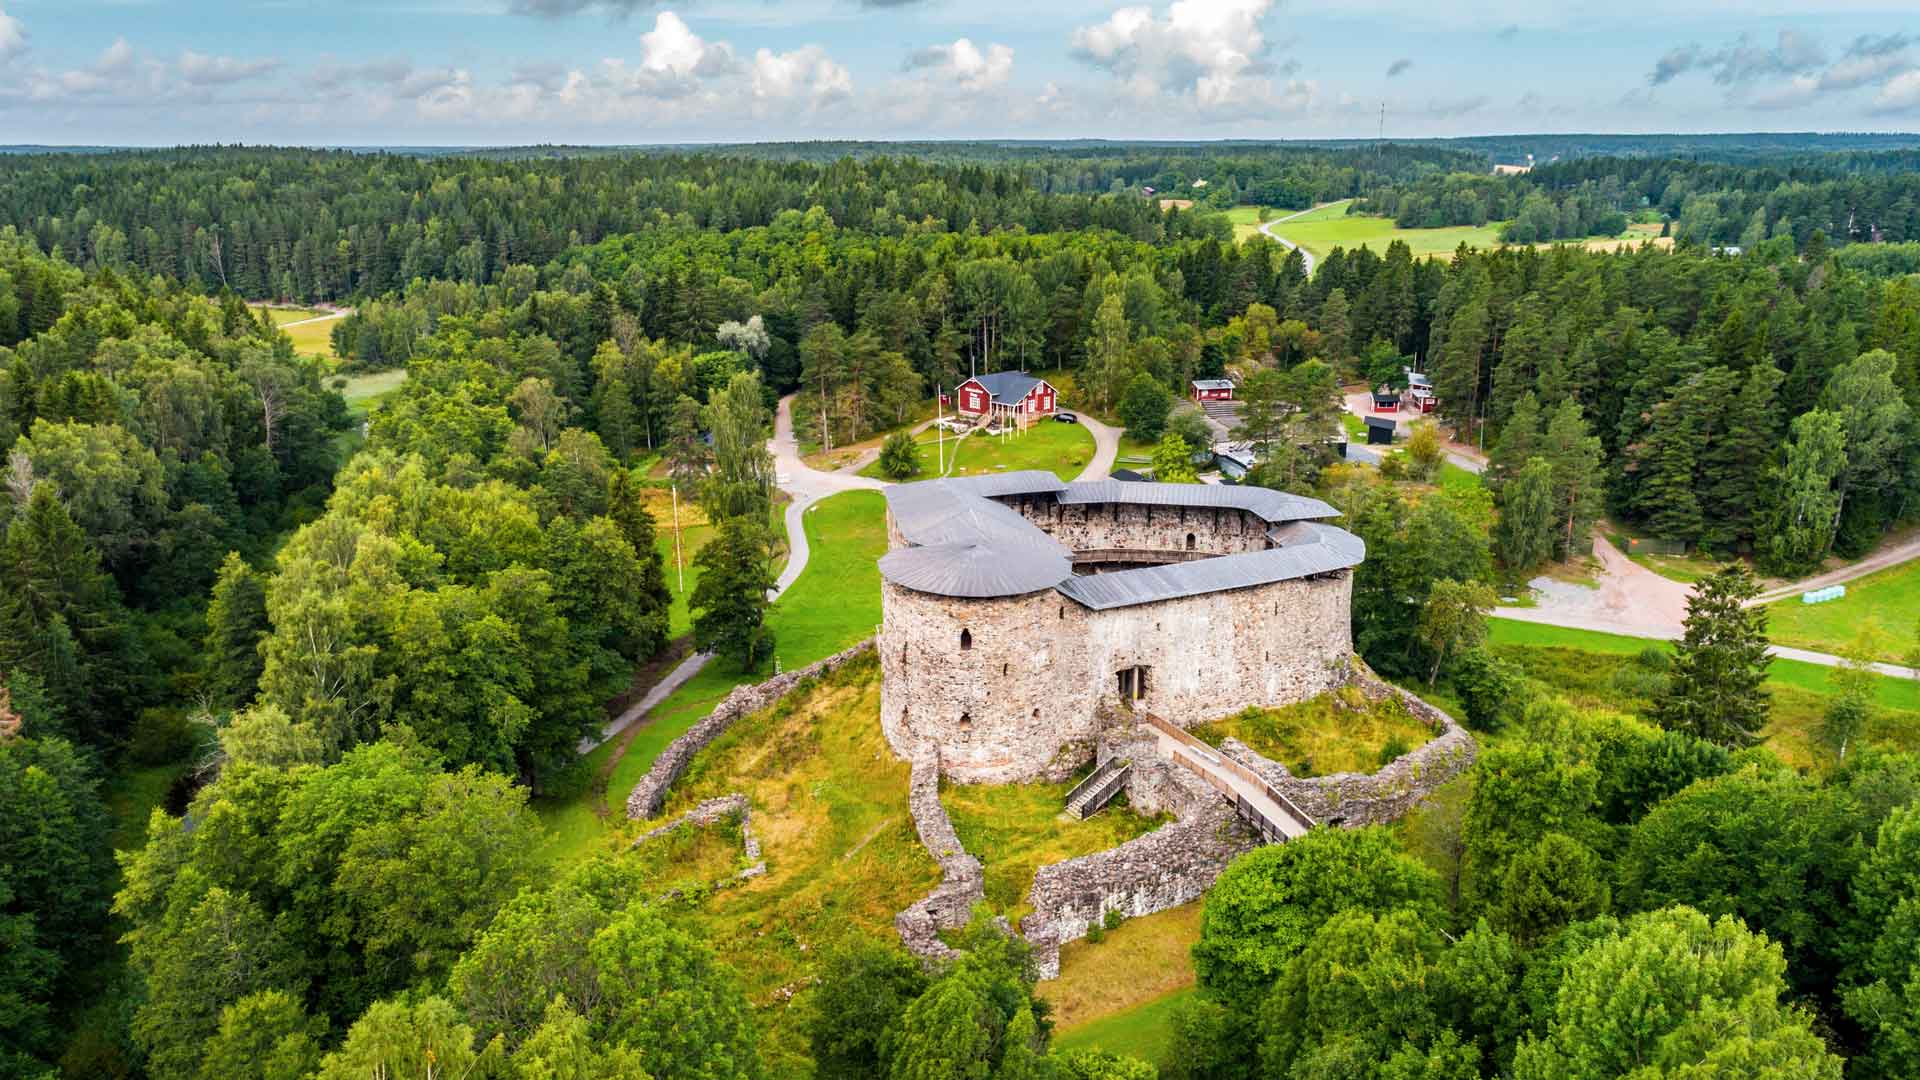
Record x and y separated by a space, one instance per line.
1266 230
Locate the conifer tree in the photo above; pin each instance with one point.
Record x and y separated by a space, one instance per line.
1576 459
1717 689
236 622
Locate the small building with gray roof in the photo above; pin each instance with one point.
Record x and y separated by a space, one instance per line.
1016 606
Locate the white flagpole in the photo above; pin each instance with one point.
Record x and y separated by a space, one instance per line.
678 564
940 426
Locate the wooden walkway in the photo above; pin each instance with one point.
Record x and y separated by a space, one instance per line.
1273 814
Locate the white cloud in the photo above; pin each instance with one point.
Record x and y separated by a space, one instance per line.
203 70
1211 50
805 73
13 35
1901 94
965 64
672 47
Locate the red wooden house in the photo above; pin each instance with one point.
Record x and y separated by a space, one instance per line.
1212 389
1013 392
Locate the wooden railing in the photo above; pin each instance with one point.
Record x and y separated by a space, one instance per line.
1206 761
1099 788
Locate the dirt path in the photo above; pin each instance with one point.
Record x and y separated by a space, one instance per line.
1899 551
1630 599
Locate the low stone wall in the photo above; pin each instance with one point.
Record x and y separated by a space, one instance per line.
650 794
962 880
1356 799
1173 865
711 812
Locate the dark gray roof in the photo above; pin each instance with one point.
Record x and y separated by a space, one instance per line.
961 542
1008 386
975 570
1310 549
1272 506
1382 421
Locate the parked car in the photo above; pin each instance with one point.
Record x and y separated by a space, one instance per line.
1066 418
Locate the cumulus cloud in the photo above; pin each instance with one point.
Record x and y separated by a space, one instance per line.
1399 67
964 64
13 35
805 74
1214 51
672 48
1793 53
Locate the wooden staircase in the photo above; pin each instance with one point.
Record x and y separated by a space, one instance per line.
1090 796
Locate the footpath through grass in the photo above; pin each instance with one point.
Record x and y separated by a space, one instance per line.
835 603
1886 602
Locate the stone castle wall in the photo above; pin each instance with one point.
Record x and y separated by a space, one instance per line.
1018 702
1130 526
962 879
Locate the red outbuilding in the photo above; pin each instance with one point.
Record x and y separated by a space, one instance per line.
1212 389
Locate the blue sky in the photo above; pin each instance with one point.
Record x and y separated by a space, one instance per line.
467 72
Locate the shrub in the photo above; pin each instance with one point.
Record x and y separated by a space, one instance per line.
1112 919
898 457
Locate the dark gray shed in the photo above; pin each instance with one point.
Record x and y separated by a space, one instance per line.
1380 430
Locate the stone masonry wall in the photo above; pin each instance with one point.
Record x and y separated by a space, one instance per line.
1173 865
1106 526
650 794
1354 799
1018 703
962 881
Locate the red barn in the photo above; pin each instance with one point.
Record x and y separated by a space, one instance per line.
1005 392
1212 389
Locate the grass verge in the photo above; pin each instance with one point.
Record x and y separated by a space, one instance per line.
1886 603
1340 731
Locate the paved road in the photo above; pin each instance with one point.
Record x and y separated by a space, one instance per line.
806 485
1266 230
1106 449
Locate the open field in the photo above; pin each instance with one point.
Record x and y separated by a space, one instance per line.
1887 603
311 331
1119 995
1335 732
1064 449
364 391
281 316
1015 829
1330 226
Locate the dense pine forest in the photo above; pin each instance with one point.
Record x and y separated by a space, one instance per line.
367 643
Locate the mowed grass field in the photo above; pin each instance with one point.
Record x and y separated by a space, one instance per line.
1885 604
1064 449
1119 995
1326 227
310 329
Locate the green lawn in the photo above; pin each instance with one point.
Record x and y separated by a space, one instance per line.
1064 449
835 603
1340 731
1581 666
1144 1031
364 391
1888 602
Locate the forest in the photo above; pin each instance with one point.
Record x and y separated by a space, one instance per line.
369 642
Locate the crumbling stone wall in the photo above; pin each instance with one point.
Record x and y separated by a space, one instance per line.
711 812
1017 702
650 794
1356 799
1172 865
962 880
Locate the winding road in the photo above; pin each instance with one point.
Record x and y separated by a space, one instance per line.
805 486
1266 230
